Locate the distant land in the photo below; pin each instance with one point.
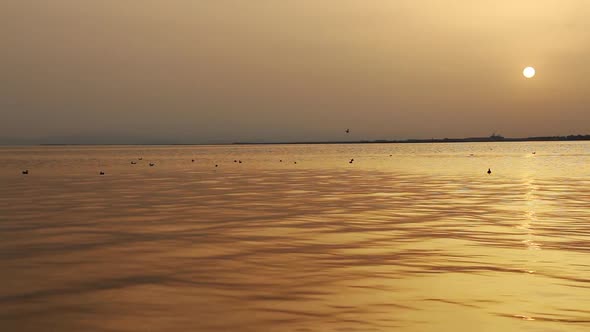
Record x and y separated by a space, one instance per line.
492 138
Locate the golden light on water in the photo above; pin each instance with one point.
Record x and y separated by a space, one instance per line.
529 72
423 240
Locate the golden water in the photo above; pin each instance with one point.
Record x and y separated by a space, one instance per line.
422 240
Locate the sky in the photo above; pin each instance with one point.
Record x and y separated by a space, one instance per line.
221 71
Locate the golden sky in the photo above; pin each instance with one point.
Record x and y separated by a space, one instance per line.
273 70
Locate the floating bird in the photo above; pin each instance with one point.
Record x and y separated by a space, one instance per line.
280 161
216 165
351 160
239 161
139 158
101 173
489 171
25 172
133 163
294 162
347 131
235 161
534 152
193 160
152 164
391 155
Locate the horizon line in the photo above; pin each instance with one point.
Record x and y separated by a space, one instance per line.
493 138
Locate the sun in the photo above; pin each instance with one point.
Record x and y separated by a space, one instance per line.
529 72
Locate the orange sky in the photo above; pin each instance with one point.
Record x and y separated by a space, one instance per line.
135 71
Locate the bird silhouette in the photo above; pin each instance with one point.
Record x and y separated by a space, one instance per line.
101 173
133 163
25 172
216 165
351 160
193 160
347 131
152 164
489 171
239 161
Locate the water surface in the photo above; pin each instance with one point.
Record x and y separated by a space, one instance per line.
409 237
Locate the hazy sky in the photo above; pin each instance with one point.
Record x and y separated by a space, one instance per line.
203 71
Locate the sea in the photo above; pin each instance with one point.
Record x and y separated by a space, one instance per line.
334 237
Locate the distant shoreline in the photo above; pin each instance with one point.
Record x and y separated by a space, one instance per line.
491 139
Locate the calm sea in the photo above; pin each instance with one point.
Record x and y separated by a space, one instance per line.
407 237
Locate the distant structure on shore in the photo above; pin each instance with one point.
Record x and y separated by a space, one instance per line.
496 137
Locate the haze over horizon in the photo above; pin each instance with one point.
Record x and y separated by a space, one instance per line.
223 71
